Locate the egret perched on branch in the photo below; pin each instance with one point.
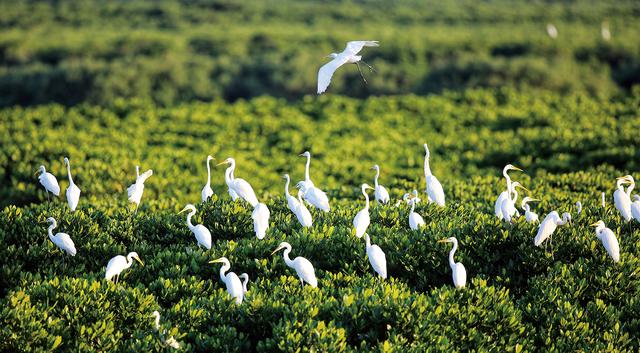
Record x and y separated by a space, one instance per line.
434 189
381 194
302 213
240 186
61 240
312 194
49 182
73 192
549 225
415 220
170 342
361 220
530 216
621 199
231 280
134 191
119 263
505 194
376 257
608 239
260 216
635 208
304 268
207 192
245 281
202 234
509 204
458 271
292 202
348 56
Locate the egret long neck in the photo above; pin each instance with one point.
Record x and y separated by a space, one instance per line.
452 263
508 179
228 174
69 173
366 197
413 205
189 224
286 186
306 169
599 230
50 231
287 260
208 172
129 261
630 188
244 283
375 180
367 240
427 169
225 267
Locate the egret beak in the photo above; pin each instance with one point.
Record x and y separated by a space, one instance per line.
301 154
593 225
215 261
221 163
184 209
533 200
443 241
37 171
516 168
523 188
140 261
278 249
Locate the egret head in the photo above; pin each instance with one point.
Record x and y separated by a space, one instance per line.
509 167
66 161
528 199
283 245
155 314
51 220
516 184
41 169
305 154
134 255
188 207
228 161
222 260
426 151
286 176
209 158
566 217
449 240
366 186
376 168
598 224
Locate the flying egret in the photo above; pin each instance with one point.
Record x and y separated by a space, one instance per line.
579 207
49 182
552 31
73 192
207 192
302 213
202 234
635 208
292 202
61 240
621 200
505 194
530 216
171 342
509 204
434 189
348 56
457 268
304 268
245 281
316 197
608 239
361 220
549 225
376 257
260 216
240 186
135 190
231 280
381 194
415 220
120 263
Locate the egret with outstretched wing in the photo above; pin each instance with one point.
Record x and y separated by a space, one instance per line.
348 56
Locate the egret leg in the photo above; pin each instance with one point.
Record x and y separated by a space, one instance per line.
302 282
46 192
369 66
361 75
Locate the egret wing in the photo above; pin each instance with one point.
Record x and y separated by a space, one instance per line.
326 72
144 176
355 46
65 243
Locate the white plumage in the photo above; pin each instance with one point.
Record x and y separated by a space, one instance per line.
530 216
622 200
314 196
459 273
49 181
231 280
635 208
119 263
376 256
304 268
302 213
549 225
207 192
239 186
415 220
73 192
202 234
361 220
135 190
347 56
434 188
260 216
380 192
608 239
505 194
61 240
292 202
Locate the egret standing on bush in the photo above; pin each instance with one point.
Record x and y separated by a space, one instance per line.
292 202
459 273
621 199
202 234
116 265
509 204
376 257
381 194
312 194
245 281
49 182
530 216
170 342
260 216
73 192
239 186
548 226
608 239
304 268
361 220
415 220
635 208
434 189
302 213
348 56
505 194
134 191
61 240
231 280
207 192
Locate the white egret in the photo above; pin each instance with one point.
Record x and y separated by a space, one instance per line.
135 190
381 193
316 197
459 273
207 192
231 280
61 240
415 220
49 182
509 204
119 263
245 281
202 234
605 32
170 342
635 208
608 239
529 215
505 194
304 268
348 56
632 185
302 213
434 189
552 31
549 225
361 220
260 216
579 207
376 257
408 197
621 200
292 202
73 192
240 186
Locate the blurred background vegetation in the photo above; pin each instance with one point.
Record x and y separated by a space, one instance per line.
176 51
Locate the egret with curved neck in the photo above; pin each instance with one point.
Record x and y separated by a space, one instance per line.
202 234
207 192
505 194
73 192
231 280
415 219
377 258
361 220
608 239
61 240
433 186
459 273
238 185
381 193
120 263
304 268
